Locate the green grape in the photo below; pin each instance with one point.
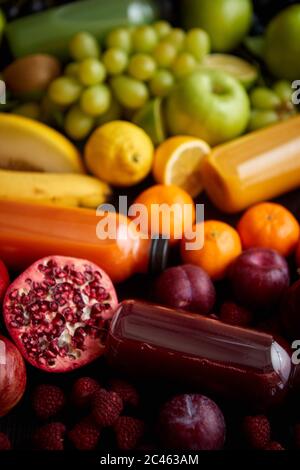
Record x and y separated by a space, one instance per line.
283 90
95 100
197 42
129 92
84 45
112 114
264 98
176 37
162 28
71 70
141 67
144 39
162 83
31 110
164 54
91 71
64 91
78 125
115 61
260 119
184 64
120 38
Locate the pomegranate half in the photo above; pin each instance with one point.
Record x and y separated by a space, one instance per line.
58 312
12 376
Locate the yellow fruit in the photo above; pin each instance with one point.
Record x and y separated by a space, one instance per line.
30 145
177 161
119 153
54 188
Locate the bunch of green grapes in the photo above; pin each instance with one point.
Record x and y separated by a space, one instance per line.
271 105
134 65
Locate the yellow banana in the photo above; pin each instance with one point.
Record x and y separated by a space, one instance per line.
26 144
55 188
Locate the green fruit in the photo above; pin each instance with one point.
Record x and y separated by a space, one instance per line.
162 83
142 67
64 90
284 91
197 42
91 71
78 125
2 24
226 21
150 118
115 61
114 113
282 44
144 39
95 100
263 98
184 64
240 69
84 45
119 38
260 119
130 93
209 104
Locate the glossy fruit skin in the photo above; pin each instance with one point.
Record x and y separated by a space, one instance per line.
179 220
226 21
290 311
12 376
58 311
222 245
4 280
269 225
282 46
259 277
195 108
191 422
186 287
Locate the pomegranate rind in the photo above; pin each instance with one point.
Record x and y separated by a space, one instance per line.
58 312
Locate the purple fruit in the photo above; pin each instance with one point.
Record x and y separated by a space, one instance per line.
192 422
259 277
290 311
186 287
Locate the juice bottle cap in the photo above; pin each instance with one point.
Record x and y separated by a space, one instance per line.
159 254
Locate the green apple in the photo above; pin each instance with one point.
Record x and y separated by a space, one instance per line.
282 44
226 21
208 104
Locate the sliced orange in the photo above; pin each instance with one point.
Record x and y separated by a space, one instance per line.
178 162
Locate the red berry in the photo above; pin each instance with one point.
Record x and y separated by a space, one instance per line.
127 391
129 432
107 407
48 401
235 314
50 436
273 445
83 391
5 443
257 431
84 436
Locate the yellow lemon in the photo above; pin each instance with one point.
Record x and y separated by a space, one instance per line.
178 161
119 153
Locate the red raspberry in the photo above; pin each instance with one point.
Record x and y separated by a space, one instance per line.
127 392
84 436
257 431
107 407
83 391
5 443
235 314
273 445
50 437
48 401
129 432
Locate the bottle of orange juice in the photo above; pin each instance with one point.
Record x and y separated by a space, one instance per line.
31 231
257 167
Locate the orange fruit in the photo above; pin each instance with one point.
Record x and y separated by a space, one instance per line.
221 245
269 225
178 161
169 210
